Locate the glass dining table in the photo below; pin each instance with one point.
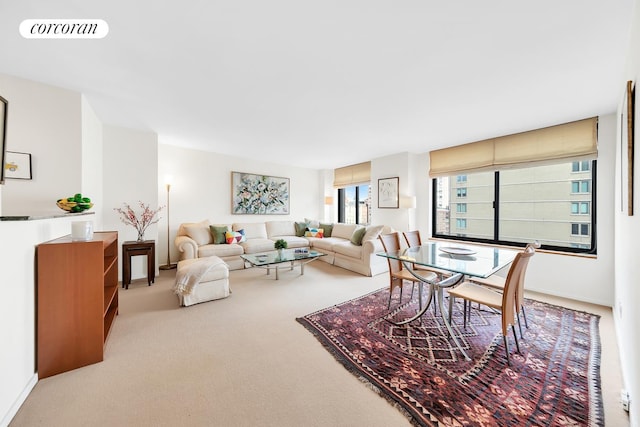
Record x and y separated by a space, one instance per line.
459 260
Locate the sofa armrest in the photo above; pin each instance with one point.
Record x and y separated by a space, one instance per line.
187 247
370 247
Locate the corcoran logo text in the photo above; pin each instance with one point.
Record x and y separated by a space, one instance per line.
64 28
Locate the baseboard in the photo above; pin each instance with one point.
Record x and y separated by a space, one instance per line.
19 401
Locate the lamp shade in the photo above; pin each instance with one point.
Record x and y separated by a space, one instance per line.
328 200
408 202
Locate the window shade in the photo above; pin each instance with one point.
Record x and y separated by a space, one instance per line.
352 175
575 140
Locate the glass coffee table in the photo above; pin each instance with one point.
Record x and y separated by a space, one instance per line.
289 258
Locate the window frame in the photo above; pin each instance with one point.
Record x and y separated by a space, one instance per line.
496 206
341 200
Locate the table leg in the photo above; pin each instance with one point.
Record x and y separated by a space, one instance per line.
445 319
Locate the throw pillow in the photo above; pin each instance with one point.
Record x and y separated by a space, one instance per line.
199 233
373 231
301 227
312 222
219 233
328 228
358 234
235 237
314 232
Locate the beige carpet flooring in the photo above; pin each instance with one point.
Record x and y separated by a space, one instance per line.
240 361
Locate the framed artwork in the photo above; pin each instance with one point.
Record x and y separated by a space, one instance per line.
388 193
253 194
627 149
4 105
17 165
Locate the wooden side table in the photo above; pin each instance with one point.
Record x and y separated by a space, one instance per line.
133 248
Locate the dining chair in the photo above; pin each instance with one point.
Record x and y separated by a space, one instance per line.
505 302
497 282
397 273
413 240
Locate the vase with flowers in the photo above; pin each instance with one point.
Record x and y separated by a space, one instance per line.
139 220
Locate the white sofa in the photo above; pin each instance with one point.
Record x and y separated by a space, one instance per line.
196 240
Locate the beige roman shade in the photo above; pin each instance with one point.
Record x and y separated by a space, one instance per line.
352 175
575 140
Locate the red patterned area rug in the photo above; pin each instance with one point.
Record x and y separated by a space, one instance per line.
555 381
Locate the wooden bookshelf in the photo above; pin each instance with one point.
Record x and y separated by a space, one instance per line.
77 301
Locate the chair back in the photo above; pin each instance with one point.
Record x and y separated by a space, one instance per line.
391 243
512 285
412 238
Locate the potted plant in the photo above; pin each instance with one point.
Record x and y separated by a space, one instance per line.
280 245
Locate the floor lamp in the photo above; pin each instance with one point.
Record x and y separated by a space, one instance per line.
168 265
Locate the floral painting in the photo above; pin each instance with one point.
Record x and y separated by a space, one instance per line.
259 194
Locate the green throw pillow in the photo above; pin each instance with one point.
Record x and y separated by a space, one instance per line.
301 227
356 237
218 233
328 228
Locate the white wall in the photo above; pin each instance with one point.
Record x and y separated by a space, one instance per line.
130 165
92 175
17 308
627 233
201 190
44 121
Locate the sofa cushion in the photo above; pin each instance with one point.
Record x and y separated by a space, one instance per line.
301 227
252 246
233 237
312 222
199 232
314 232
295 241
373 231
280 228
253 230
218 232
344 231
358 234
328 228
348 249
220 250
326 243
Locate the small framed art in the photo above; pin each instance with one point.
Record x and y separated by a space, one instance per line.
17 165
388 193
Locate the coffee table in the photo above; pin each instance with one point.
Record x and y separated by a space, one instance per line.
276 260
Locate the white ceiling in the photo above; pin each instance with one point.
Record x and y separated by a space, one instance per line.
331 83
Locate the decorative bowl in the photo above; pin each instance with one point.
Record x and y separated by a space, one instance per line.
76 203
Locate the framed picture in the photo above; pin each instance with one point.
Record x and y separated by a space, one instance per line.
259 194
17 165
4 106
388 193
627 149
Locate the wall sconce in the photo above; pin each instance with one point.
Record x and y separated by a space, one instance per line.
328 200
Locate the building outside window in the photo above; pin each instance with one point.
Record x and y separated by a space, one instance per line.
518 206
354 204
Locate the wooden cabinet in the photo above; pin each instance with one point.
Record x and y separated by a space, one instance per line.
77 301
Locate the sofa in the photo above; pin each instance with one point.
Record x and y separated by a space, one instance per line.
350 246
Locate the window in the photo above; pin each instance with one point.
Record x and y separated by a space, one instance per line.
582 166
579 186
354 204
461 178
579 208
580 229
518 206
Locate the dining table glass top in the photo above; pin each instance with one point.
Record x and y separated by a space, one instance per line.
471 260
